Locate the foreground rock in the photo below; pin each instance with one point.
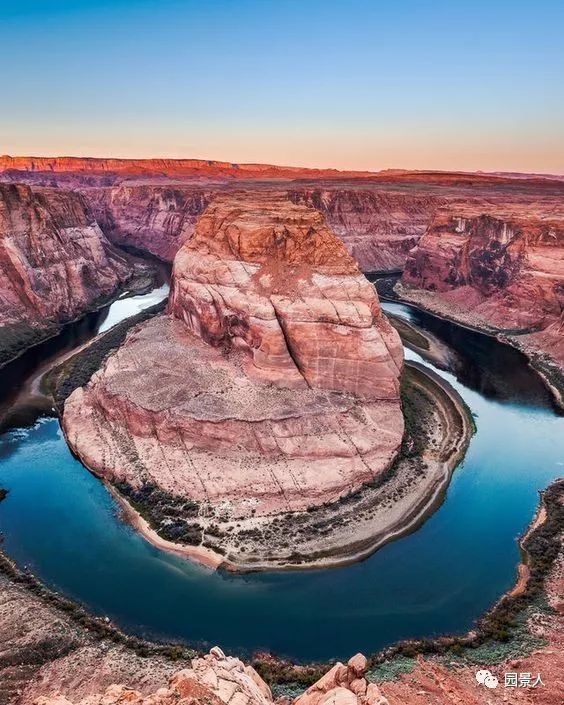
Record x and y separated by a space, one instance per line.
501 268
55 263
45 651
272 386
217 679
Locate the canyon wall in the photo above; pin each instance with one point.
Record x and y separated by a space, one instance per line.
171 168
378 227
55 262
153 204
152 218
501 267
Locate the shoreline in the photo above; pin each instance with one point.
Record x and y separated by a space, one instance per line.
274 669
523 569
197 554
422 506
507 338
127 289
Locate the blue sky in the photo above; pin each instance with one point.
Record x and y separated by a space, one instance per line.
359 84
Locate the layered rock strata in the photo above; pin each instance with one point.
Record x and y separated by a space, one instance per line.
151 218
152 204
495 267
272 386
170 168
55 262
378 227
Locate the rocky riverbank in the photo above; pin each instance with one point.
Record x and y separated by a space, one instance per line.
439 428
497 268
55 265
549 370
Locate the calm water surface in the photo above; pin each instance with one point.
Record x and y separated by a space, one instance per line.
60 521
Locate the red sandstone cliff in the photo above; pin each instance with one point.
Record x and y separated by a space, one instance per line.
378 227
498 266
272 386
54 260
208 168
153 204
152 218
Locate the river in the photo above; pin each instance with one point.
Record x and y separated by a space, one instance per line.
60 521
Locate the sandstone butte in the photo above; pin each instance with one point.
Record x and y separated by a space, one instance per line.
496 267
271 386
55 262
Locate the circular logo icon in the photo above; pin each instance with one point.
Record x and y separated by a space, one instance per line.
491 681
486 678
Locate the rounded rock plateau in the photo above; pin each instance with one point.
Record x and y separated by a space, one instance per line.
270 389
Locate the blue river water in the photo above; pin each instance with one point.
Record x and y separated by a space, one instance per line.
61 522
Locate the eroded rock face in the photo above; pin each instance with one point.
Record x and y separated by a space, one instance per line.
271 386
152 218
379 228
269 277
500 266
214 679
54 260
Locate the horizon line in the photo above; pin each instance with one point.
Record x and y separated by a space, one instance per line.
235 164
